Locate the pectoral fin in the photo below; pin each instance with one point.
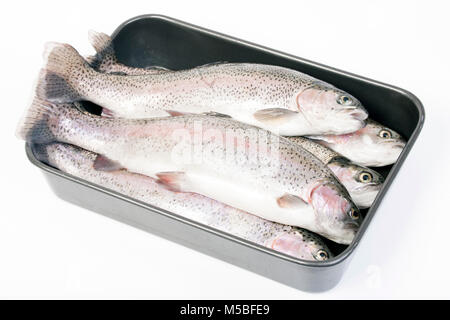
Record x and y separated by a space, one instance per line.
107 113
102 163
173 181
322 139
216 114
290 201
274 115
175 113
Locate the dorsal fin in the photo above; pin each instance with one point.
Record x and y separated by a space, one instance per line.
103 45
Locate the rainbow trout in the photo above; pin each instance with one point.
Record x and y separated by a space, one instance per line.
282 100
293 241
240 165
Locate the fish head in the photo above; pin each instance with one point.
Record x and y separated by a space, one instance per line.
374 145
301 244
337 217
330 110
380 142
362 183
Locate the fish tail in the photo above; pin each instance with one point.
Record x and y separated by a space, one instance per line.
102 44
40 152
63 67
34 126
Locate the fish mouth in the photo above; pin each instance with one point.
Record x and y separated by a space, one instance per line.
395 144
346 236
399 145
364 197
372 186
352 225
356 116
359 113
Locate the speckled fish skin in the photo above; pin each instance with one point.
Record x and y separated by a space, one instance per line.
289 186
278 99
321 152
295 242
374 145
362 183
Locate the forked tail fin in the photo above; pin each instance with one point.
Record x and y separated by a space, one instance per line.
63 67
34 127
40 152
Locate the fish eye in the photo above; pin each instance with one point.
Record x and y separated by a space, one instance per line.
322 255
365 177
386 134
345 100
353 213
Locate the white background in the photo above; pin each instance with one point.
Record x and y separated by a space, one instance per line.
52 249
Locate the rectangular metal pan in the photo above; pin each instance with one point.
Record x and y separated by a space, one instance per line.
163 41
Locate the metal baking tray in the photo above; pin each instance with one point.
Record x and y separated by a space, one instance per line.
159 40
